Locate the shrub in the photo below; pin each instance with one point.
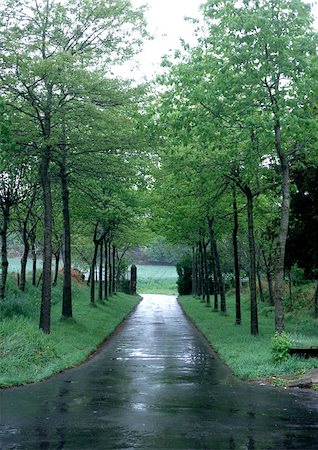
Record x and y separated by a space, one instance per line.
280 345
184 270
16 305
298 277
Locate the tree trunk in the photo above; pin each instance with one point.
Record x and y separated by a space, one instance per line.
114 270
67 310
45 314
268 278
260 286
202 271
215 277
198 272
206 275
283 230
118 271
24 261
4 251
106 270
316 301
33 252
194 286
238 316
290 290
93 265
100 274
110 276
270 287
252 255
56 268
220 282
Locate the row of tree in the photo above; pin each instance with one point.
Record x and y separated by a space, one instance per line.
72 151
237 117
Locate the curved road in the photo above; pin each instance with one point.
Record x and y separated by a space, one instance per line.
156 384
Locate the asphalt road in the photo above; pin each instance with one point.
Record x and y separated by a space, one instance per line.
156 384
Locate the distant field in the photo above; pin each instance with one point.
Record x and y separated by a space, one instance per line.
156 279
151 279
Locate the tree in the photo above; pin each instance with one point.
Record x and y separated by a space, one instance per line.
271 46
56 44
11 188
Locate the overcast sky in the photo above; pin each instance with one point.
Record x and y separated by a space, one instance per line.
166 23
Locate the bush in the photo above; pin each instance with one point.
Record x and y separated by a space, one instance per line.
16 306
298 277
124 286
184 270
280 345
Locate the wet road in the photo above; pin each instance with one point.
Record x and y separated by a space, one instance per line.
156 385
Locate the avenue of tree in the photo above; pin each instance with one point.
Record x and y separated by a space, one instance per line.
71 149
237 119
222 155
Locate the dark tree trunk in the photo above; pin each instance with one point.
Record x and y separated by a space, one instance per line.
56 268
316 301
45 314
110 276
202 271
39 280
215 279
33 252
67 310
238 317
194 270
290 290
283 230
206 275
198 272
270 287
118 270
268 278
259 277
114 269
93 265
220 282
4 251
260 286
106 269
24 261
100 275
252 255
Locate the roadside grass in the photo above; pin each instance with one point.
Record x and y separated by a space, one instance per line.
156 279
28 355
249 357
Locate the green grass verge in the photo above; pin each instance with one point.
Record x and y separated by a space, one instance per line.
247 356
28 355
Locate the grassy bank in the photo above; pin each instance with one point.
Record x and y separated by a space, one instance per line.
250 357
156 279
28 355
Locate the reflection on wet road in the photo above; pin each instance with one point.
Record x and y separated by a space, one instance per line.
156 385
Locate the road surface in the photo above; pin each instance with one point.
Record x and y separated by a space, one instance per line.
156 384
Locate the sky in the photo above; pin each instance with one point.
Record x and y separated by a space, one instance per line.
166 23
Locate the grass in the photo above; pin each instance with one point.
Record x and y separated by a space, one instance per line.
249 357
28 355
156 279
